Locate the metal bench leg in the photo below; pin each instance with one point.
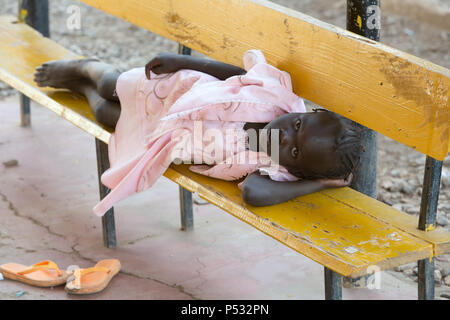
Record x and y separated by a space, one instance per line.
427 221
360 14
25 111
109 229
426 279
333 285
187 216
186 208
34 13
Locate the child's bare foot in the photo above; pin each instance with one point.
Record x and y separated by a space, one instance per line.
57 74
77 85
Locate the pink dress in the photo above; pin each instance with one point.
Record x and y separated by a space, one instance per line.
174 117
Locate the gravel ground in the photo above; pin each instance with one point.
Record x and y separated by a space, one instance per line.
400 169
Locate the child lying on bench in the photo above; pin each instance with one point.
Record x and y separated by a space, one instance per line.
232 123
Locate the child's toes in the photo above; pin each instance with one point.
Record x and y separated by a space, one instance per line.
38 82
42 71
41 67
45 68
39 78
39 74
43 84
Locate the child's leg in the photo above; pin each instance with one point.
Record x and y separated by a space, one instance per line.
94 79
106 112
103 76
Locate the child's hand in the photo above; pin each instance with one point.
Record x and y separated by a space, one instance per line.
164 63
336 183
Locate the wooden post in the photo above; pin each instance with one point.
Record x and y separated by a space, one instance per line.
36 14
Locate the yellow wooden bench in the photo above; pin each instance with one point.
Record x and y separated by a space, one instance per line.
398 95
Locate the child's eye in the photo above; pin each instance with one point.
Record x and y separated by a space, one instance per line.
297 124
294 152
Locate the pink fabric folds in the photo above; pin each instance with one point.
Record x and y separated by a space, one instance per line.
161 117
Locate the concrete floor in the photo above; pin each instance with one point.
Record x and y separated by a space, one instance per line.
45 213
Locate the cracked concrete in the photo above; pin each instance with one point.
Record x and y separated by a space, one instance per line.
45 213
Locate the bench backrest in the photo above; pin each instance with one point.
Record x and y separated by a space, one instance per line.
389 91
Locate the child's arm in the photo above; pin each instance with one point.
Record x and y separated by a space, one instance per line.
169 62
259 190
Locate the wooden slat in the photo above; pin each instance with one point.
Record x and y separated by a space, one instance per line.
394 93
324 226
343 238
440 238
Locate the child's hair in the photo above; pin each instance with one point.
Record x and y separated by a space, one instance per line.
348 148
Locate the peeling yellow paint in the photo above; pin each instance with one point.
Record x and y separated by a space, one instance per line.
430 227
359 22
433 253
23 15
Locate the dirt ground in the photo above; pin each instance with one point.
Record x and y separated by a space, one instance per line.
400 169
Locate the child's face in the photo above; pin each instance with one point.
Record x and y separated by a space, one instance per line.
307 141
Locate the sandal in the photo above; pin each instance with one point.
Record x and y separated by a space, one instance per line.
42 274
93 280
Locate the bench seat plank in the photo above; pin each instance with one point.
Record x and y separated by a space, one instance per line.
399 95
439 237
345 238
341 229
